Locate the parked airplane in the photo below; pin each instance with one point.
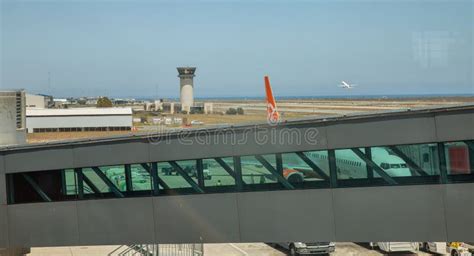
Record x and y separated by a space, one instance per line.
347 85
350 166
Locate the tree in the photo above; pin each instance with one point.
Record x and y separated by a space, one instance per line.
197 111
240 111
104 102
231 111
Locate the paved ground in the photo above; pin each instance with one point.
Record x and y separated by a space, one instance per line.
73 251
234 249
241 249
352 249
260 249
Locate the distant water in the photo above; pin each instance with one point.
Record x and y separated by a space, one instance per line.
397 96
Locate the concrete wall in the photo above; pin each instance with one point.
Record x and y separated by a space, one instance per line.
415 213
3 206
9 134
187 92
35 101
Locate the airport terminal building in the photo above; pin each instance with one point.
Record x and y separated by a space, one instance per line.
78 119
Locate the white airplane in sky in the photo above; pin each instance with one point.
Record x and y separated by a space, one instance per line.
347 85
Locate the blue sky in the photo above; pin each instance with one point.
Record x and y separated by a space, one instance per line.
132 48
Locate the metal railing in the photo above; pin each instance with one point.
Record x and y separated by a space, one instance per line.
159 250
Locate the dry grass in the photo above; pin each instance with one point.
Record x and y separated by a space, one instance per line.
57 136
257 116
207 119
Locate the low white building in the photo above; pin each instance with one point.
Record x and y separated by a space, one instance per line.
78 119
35 101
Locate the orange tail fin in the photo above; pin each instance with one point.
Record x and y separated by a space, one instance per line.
273 116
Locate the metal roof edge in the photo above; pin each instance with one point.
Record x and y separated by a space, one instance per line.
302 121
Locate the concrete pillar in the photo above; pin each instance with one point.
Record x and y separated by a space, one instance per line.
208 108
12 131
3 182
172 108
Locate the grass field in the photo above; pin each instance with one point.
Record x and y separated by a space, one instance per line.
208 120
235 119
55 136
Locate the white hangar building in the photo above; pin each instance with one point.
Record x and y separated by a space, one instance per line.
78 119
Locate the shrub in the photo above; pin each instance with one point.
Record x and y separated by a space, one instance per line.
231 111
104 102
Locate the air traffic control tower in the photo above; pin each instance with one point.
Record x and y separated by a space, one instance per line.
186 76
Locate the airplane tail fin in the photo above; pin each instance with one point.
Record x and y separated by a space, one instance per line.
273 117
